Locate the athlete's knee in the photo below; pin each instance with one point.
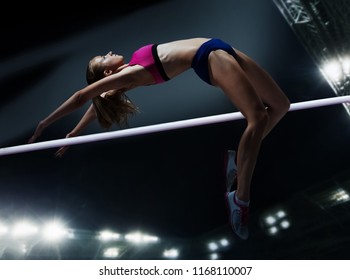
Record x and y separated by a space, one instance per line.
284 105
259 120
281 107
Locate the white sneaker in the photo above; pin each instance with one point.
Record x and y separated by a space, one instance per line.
238 215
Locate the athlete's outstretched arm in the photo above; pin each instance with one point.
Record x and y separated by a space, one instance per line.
89 116
79 98
73 103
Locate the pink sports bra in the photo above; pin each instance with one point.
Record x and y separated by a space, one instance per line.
147 57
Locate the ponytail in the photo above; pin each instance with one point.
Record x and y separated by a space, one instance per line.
114 107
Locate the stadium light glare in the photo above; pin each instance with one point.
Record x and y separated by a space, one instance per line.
3 229
107 235
333 70
172 253
140 238
224 242
111 252
213 246
24 229
54 231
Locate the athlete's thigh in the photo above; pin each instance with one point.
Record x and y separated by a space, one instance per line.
227 74
264 85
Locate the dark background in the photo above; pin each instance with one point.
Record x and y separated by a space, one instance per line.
170 183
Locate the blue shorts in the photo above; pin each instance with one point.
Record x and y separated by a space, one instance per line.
200 60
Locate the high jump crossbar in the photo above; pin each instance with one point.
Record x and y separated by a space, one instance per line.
159 127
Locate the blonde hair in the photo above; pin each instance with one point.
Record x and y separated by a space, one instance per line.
115 106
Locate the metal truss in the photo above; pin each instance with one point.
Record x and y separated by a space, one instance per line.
323 27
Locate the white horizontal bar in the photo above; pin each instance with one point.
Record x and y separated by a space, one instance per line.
158 127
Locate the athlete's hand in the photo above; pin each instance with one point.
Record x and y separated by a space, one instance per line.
61 151
39 129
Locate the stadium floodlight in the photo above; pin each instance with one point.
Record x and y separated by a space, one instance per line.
3 229
172 253
276 221
220 244
214 256
270 220
224 242
281 214
273 230
213 246
111 252
346 65
339 196
24 229
333 70
140 238
54 231
285 224
107 235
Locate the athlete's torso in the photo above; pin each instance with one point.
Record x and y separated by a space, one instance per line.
176 56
